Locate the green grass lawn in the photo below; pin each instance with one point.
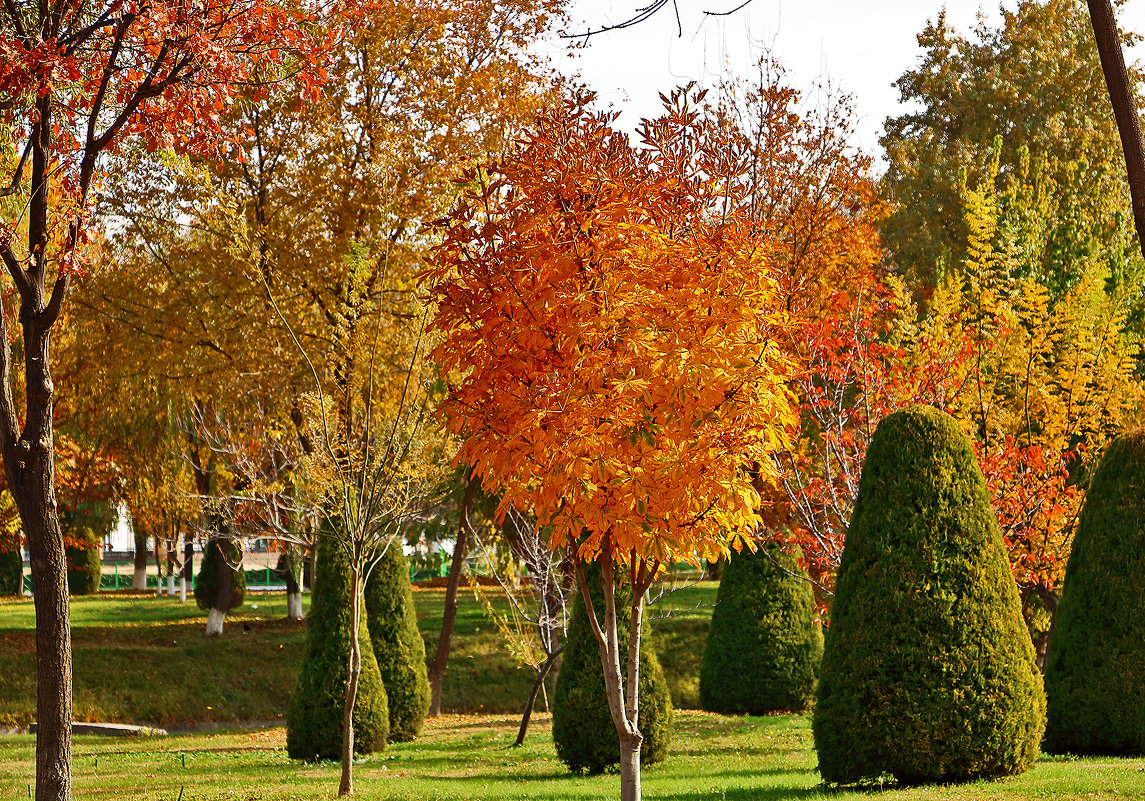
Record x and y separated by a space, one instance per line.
468 757
144 659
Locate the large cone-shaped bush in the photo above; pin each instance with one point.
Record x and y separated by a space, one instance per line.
928 672
314 719
583 730
1095 671
763 646
398 645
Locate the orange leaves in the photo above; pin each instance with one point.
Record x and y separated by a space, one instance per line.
613 338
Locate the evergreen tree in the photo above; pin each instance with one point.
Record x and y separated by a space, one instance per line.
314 718
928 673
763 647
1094 678
220 585
84 566
11 570
397 643
582 727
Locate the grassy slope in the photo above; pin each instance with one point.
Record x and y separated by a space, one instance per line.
756 759
143 659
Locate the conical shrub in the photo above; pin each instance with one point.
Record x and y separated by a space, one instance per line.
764 646
398 645
11 568
207 581
583 730
81 549
928 672
314 718
1095 684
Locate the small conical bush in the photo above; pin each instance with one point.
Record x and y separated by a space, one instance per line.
398 646
928 672
11 567
314 718
583 731
1095 669
764 646
82 551
207 582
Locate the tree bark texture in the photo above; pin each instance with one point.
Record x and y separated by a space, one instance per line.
1104 23
441 656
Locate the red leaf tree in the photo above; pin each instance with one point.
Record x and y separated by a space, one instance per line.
78 78
610 321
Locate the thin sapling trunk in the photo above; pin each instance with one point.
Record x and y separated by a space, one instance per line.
346 787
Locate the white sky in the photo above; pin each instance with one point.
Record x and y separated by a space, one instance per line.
860 46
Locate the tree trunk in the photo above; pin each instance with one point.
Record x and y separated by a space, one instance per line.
160 558
441 656
538 683
139 576
30 470
630 767
623 701
188 568
1104 23
293 590
222 602
53 631
346 787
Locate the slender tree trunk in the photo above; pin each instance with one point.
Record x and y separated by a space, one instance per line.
160 558
354 672
623 701
538 683
441 656
1104 23
139 576
188 567
293 569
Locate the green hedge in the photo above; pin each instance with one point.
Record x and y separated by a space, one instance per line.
314 718
583 730
1095 669
763 647
398 646
928 671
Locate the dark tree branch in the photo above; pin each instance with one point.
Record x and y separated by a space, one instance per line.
1124 106
13 187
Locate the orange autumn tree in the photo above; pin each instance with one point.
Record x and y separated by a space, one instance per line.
610 322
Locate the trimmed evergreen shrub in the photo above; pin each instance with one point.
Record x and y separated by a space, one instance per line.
397 642
82 549
928 671
11 570
764 646
583 731
314 718
207 582
1094 678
